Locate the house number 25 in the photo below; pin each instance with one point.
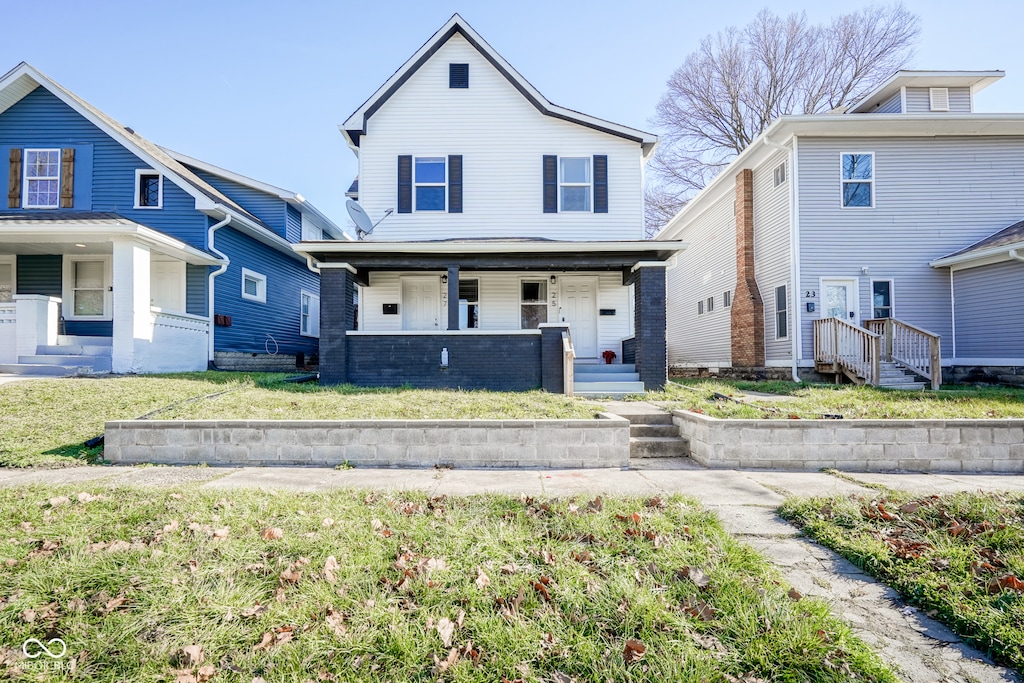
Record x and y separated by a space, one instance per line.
810 294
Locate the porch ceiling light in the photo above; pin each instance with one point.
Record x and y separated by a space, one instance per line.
82 246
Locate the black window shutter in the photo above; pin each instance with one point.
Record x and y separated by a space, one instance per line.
454 183
405 183
550 184
600 183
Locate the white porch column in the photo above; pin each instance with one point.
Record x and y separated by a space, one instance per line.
37 317
133 319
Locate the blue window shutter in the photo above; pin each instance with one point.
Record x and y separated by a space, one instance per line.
550 183
600 183
454 183
405 183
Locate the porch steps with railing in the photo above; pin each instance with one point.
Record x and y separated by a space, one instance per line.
896 376
594 380
72 355
885 352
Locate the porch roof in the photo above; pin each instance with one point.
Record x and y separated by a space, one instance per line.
999 246
82 232
490 254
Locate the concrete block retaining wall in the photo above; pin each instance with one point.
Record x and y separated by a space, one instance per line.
602 442
856 445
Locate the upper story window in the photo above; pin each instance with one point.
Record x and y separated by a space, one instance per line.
310 231
254 286
858 180
574 183
780 174
149 190
781 313
458 75
42 178
429 174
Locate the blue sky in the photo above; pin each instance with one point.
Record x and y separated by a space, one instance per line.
260 87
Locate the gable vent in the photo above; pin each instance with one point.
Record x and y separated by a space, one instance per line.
939 99
458 75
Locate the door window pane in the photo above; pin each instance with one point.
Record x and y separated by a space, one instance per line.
835 301
881 298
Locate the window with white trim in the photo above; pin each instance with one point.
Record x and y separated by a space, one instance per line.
86 288
254 286
429 179
42 178
533 303
779 175
727 298
858 180
309 314
574 183
149 189
709 305
881 298
700 307
469 298
781 313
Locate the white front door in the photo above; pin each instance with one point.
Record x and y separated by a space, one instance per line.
421 303
839 300
579 309
167 285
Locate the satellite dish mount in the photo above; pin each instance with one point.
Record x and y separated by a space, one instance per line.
364 226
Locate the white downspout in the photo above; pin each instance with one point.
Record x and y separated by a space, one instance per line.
952 313
223 267
794 285
1014 255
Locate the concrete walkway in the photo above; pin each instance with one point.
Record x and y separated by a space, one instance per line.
919 648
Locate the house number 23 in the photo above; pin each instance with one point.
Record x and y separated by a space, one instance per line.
810 294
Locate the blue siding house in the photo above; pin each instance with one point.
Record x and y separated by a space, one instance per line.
119 255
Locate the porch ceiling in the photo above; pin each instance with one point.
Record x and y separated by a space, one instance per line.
504 254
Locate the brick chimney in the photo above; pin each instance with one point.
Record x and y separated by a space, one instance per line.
747 319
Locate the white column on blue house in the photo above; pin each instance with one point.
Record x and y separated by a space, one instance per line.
133 319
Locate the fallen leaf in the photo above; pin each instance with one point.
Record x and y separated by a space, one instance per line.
596 505
221 533
634 651
794 594
58 501
84 497
189 656
446 629
205 673
1008 582
278 636
336 621
694 574
328 522
290 576
331 566
255 611
184 676
559 677
909 508
482 580
272 534
655 503
118 546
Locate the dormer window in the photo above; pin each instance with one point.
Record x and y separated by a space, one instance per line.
458 75
938 99
149 189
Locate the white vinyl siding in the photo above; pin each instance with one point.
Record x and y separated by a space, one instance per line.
503 139
934 196
499 300
771 249
919 101
893 105
989 319
706 268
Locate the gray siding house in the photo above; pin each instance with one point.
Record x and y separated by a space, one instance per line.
883 243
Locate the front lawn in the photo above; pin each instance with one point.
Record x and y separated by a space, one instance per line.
809 401
46 422
155 585
959 557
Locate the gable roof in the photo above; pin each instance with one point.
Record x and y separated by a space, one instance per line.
999 245
975 80
293 198
24 78
355 126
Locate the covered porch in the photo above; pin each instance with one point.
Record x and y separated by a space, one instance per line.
85 293
489 314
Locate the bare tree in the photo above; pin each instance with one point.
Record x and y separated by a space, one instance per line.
730 89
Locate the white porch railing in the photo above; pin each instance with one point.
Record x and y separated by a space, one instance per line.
568 356
180 342
848 348
917 349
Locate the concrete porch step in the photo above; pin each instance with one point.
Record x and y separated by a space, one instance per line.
75 350
612 395
82 340
582 375
608 387
658 447
652 430
94 363
904 386
45 370
603 367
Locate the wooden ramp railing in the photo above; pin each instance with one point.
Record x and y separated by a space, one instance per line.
842 347
915 348
568 356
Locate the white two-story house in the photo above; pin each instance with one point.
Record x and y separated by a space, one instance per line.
842 242
505 224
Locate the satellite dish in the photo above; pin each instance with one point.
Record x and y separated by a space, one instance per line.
359 216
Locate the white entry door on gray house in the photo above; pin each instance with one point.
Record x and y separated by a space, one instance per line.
421 300
579 309
839 297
